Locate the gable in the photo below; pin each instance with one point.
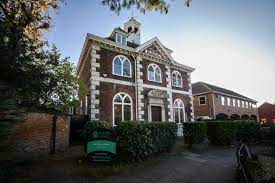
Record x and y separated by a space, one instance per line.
155 48
154 51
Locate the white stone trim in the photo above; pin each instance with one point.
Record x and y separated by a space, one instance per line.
94 111
115 81
170 106
140 95
140 86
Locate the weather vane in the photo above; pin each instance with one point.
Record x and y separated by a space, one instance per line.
132 13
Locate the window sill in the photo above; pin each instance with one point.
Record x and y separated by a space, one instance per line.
177 86
155 81
122 76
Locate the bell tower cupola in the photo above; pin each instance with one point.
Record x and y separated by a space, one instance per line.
132 27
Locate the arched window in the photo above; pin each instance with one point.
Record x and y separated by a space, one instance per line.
121 66
154 73
176 79
179 111
122 108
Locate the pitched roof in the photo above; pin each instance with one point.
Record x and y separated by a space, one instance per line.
201 87
267 104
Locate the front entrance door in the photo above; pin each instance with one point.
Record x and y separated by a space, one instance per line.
156 113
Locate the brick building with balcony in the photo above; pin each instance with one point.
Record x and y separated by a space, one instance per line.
130 80
213 102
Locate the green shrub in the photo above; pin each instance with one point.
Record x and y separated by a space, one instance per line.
91 125
221 132
139 141
135 141
227 132
164 136
247 130
195 133
264 133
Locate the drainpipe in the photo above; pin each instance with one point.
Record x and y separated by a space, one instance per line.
53 134
136 86
214 112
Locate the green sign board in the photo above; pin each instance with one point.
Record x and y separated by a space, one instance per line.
101 146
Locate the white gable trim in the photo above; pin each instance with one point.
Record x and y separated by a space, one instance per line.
151 41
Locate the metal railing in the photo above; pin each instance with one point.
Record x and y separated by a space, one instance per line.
250 151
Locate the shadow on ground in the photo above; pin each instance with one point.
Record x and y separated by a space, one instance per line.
209 165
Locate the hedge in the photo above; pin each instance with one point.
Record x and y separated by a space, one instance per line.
195 133
247 130
139 141
163 135
93 124
227 132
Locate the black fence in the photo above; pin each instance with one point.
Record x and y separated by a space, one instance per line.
248 159
77 125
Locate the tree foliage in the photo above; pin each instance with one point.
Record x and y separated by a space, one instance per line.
36 71
143 5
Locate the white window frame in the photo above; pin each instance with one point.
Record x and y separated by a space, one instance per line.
155 66
223 100
242 104
122 59
200 99
119 39
239 103
234 102
177 73
246 104
122 103
181 108
228 101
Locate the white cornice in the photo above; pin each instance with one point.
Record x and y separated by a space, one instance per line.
100 40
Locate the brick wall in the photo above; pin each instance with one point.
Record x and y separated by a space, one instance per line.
229 110
145 64
106 65
267 112
34 134
204 110
186 101
185 83
107 93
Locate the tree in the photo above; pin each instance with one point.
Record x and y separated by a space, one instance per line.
36 72
143 5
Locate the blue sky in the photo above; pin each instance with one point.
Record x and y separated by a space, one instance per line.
230 43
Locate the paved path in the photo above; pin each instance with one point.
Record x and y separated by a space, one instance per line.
213 166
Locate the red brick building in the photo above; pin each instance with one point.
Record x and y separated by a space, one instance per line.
213 102
129 80
267 113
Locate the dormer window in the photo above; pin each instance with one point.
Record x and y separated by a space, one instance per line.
121 39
